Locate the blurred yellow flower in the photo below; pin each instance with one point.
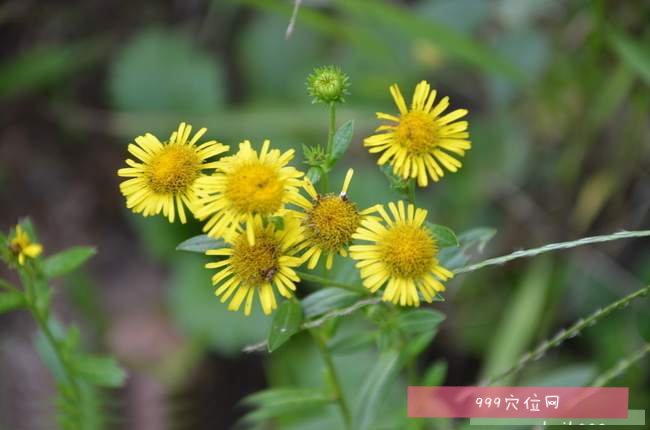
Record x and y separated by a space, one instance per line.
261 267
22 247
246 188
329 222
403 255
164 179
418 144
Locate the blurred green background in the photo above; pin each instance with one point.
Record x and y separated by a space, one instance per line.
558 99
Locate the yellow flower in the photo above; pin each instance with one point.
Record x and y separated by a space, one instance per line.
246 188
419 143
402 255
329 222
260 267
21 245
164 179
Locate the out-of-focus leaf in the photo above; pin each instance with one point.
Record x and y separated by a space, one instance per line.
202 317
45 66
351 342
445 236
449 40
11 300
471 242
435 374
633 53
574 375
342 139
520 321
160 70
66 261
101 371
327 299
371 393
286 322
314 173
200 244
417 321
276 402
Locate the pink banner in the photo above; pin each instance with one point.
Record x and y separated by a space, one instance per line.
517 402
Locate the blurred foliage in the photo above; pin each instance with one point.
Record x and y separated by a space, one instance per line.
558 100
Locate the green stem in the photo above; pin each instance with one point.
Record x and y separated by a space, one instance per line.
526 253
45 328
338 391
410 191
330 144
327 282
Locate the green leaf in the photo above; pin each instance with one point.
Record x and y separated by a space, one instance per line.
375 385
472 242
66 261
11 300
286 323
435 375
200 244
389 16
632 53
342 139
276 402
444 235
102 371
278 222
417 321
327 299
520 321
189 84
351 342
314 173
44 67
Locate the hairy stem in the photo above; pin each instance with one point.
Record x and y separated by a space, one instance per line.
620 367
329 283
338 391
69 374
330 143
552 247
565 334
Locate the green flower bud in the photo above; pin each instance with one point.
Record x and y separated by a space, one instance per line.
328 84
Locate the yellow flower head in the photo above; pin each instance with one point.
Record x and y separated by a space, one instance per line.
261 267
22 247
418 143
164 179
403 255
248 187
328 222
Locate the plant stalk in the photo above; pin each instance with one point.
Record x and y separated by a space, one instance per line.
330 144
338 391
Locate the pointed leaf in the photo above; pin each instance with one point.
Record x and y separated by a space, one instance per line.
418 321
445 236
276 402
200 244
374 387
632 53
102 371
286 323
342 139
66 261
327 299
314 173
11 300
